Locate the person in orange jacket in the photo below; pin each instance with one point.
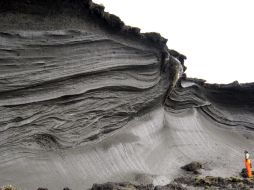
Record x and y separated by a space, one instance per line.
247 164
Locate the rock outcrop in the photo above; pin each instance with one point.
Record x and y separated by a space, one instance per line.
85 99
70 76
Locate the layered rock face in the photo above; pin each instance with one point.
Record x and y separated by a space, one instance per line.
53 83
230 105
66 85
85 99
212 123
70 78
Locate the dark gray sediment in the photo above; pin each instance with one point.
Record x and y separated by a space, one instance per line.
85 99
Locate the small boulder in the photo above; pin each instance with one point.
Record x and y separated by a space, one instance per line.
193 167
171 186
243 173
113 186
8 187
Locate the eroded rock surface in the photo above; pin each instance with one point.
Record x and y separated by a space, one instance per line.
71 75
85 99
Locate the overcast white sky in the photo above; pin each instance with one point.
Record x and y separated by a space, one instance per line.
217 36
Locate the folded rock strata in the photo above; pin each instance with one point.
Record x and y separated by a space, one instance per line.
85 99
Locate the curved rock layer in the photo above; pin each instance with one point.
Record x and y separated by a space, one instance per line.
60 89
151 148
67 82
82 103
230 105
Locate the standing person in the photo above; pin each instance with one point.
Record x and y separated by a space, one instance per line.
247 163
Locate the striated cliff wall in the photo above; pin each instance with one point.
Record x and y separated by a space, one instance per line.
86 99
70 75
66 79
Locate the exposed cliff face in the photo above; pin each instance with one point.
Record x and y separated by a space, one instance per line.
85 99
71 75
230 104
66 85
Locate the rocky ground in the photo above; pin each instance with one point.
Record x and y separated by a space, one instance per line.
182 183
185 183
192 180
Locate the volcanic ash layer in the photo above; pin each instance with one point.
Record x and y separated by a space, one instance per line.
85 99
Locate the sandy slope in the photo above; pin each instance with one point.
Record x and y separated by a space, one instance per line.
152 148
